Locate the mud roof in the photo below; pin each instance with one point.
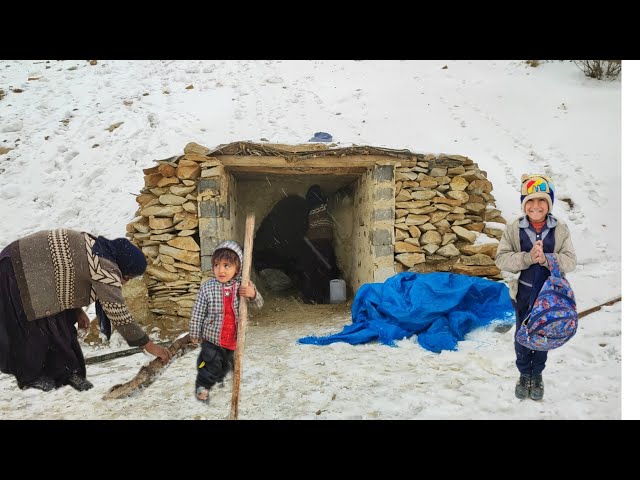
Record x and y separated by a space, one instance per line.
309 150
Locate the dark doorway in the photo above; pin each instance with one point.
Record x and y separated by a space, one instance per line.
287 253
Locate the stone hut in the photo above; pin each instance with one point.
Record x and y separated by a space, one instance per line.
393 211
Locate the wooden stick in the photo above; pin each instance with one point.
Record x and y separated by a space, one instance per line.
504 328
595 309
242 323
148 373
121 353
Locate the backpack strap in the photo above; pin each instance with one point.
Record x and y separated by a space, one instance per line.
553 265
533 296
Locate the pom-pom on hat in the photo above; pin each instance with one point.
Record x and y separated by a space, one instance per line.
536 186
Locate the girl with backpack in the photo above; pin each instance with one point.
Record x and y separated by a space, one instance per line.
522 250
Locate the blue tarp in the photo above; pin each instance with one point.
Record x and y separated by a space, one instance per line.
441 308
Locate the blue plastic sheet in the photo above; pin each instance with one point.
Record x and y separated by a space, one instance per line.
440 308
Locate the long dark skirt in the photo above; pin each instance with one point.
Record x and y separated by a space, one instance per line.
46 347
318 269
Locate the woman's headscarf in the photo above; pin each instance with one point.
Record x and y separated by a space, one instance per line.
131 262
315 197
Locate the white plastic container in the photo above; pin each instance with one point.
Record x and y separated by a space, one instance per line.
337 291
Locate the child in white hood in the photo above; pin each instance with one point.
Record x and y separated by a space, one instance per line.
214 318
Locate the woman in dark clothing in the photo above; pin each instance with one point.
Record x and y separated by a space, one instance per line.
319 261
279 239
45 280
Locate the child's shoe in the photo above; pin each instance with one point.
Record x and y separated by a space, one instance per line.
523 386
202 394
537 388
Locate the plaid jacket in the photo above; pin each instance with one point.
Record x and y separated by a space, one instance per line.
208 312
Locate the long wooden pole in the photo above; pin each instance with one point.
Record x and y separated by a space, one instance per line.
504 328
595 309
242 322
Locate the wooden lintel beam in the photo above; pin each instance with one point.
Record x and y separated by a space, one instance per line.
356 171
334 164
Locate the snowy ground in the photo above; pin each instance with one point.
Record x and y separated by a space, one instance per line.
282 379
62 165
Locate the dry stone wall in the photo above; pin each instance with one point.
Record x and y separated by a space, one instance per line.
441 205
166 228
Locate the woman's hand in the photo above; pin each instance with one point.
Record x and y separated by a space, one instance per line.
161 352
248 292
82 319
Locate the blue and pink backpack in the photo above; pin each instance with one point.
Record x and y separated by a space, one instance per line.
553 319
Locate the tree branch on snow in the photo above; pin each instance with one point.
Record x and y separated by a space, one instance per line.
148 373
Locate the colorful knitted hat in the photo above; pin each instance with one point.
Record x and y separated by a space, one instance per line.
536 186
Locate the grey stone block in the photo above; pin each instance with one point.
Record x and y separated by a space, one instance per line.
384 193
207 244
205 262
382 250
381 237
386 213
383 173
212 208
205 183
